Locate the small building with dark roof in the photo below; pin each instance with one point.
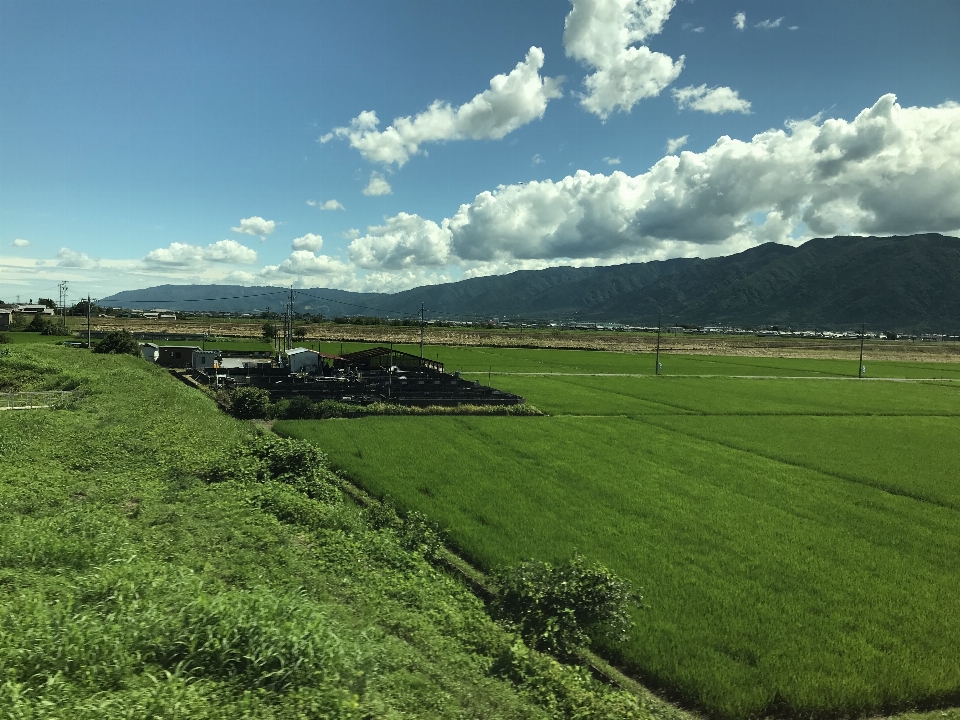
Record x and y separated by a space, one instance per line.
177 356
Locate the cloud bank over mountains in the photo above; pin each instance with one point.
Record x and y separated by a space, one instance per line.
890 170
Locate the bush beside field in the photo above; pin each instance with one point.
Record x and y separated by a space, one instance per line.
253 403
156 561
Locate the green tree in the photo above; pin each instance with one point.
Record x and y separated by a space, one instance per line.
40 324
120 342
248 403
269 331
299 332
81 309
37 324
560 609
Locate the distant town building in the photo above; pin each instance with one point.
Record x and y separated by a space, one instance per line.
33 309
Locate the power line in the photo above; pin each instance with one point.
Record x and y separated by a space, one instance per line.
362 307
233 297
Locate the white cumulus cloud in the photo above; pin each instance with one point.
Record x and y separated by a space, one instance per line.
891 170
403 241
68 258
378 185
740 20
20 242
769 24
309 242
513 100
185 255
612 160
309 269
604 35
256 226
328 205
674 144
711 100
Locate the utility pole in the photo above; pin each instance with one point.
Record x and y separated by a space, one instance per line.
63 301
88 322
656 367
421 334
860 366
289 337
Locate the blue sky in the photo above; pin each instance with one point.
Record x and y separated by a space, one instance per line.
145 143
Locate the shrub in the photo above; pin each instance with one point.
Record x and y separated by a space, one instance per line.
295 463
300 407
119 342
555 607
248 403
4 339
414 532
40 324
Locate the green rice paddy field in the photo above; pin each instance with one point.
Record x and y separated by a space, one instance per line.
481 360
797 540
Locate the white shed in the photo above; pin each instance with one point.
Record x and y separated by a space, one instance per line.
205 359
303 360
150 351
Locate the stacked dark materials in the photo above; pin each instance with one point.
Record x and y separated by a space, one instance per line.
376 375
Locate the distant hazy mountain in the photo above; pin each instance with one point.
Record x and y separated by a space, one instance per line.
895 283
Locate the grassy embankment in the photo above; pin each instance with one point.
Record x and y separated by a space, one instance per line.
798 541
133 587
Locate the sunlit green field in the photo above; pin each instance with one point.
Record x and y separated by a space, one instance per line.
797 541
481 360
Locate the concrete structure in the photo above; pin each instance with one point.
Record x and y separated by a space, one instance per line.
6 317
303 360
150 351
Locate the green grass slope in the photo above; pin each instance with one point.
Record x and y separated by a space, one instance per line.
132 586
798 542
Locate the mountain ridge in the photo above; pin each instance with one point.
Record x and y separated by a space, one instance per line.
897 283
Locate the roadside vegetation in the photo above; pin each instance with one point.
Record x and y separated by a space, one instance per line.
159 559
797 541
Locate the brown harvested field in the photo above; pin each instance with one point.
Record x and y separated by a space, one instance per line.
568 339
